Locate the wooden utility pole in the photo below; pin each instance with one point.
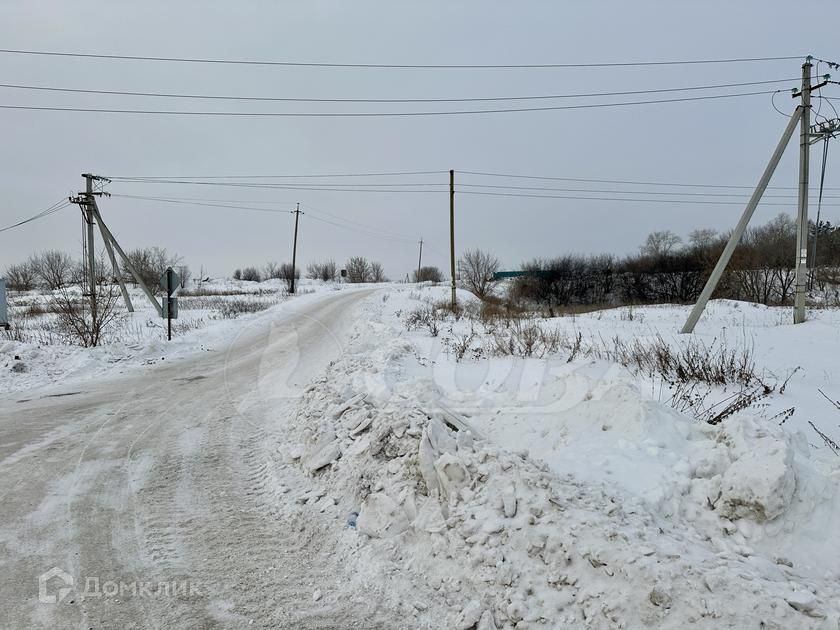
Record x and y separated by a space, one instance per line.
802 214
452 233
297 214
420 261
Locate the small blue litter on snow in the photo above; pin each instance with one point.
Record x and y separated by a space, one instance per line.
351 519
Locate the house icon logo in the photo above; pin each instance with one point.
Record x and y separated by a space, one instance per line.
60 579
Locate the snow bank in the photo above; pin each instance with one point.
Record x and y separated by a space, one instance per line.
605 510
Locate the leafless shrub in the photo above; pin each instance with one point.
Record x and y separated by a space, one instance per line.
526 338
209 291
271 270
231 309
251 274
84 320
288 274
715 363
185 326
326 271
427 317
461 345
428 274
476 272
44 334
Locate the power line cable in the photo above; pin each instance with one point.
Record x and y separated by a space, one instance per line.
287 187
359 227
339 218
631 200
237 114
329 185
215 97
361 230
56 207
443 187
310 175
293 185
619 181
461 186
184 202
311 64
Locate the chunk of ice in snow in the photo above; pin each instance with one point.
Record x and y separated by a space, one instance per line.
804 602
440 437
760 483
452 473
381 517
324 456
430 517
509 501
426 461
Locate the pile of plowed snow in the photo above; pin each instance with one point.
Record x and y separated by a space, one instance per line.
706 535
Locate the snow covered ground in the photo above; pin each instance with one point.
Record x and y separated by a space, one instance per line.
206 320
559 490
580 498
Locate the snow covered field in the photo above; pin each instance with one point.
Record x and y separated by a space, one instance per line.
557 490
209 315
581 498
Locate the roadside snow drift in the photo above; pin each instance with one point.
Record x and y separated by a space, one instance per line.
586 505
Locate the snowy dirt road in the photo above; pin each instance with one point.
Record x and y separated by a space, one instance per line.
157 500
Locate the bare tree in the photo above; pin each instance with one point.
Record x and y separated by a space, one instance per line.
185 273
377 273
703 238
427 274
150 263
660 243
237 274
358 269
53 268
20 277
477 269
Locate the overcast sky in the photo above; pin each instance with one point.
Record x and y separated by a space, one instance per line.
727 141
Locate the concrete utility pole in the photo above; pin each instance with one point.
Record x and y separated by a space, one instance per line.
420 261
90 211
802 215
739 230
91 252
452 233
297 214
114 265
